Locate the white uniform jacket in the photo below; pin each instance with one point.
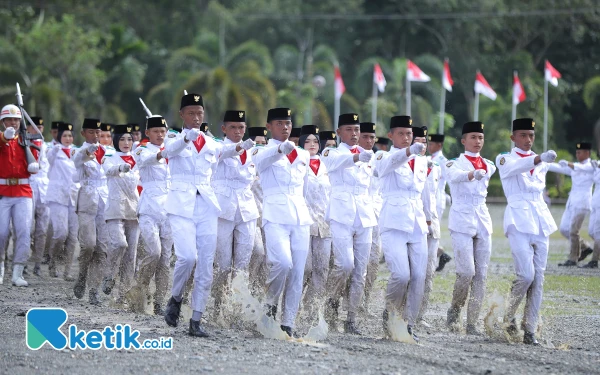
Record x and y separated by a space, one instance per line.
62 188
283 183
430 196
317 198
523 184
39 181
350 183
122 188
582 178
401 189
154 178
91 176
468 197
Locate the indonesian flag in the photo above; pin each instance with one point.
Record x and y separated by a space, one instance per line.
483 87
415 74
378 78
340 89
518 91
447 81
552 75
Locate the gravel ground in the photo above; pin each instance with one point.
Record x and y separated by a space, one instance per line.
571 316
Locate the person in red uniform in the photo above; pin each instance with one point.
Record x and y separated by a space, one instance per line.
16 201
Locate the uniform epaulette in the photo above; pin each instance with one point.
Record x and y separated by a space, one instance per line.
505 153
217 139
489 161
435 163
452 159
173 131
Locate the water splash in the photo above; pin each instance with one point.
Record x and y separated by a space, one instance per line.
494 317
398 330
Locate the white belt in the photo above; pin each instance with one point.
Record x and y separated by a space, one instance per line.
94 183
525 197
192 179
475 200
233 184
290 190
354 190
14 181
408 194
159 184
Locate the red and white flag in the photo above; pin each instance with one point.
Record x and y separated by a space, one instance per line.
447 81
340 89
378 78
415 74
483 87
552 75
518 91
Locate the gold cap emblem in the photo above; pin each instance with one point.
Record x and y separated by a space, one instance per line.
317 130
13 111
533 124
425 131
265 131
137 128
410 122
241 114
128 129
482 126
374 127
289 112
41 122
355 117
108 127
70 127
579 145
163 121
196 98
334 135
430 138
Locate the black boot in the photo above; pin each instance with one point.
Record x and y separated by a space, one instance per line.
79 288
195 329
172 312
591 264
351 328
452 317
568 263
94 297
287 329
271 311
584 254
512 328
444 258
385 319
331 313
529 339
411 332
37 269
158 310
108 285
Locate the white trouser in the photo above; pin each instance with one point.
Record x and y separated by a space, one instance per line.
195 243
257 269
156 235
287 250
594 231
530 254
93 240
351 250
20 210
316 269
432 248
570 225
42 219
122 251
65 227
472 256
373 266
406 257
235 241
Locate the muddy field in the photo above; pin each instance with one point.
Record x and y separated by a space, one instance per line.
570 332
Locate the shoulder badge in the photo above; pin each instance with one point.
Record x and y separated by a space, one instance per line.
326 153
172 135
255 151
380 157
138 152
73 152
449 164
502 161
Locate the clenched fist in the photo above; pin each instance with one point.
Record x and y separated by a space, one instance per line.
417 148
478 174
9 133
365 156
548 156
287 147
192 134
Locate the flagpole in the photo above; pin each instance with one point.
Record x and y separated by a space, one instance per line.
407 95
442 109
545 114
374 104
476 114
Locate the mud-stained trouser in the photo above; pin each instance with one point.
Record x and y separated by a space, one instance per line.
65 228
20 210
570 226
122 251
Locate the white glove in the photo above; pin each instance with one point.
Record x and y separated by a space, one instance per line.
594 163
192 134
92 149
365 156
478 174
563 163
247 144
548 156
124 168
33 168
430 230
287 147
417 148
9 133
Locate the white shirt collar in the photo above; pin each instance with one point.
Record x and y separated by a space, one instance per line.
523 152
472 154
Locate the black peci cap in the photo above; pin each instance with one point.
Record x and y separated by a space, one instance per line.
348 119
91 123
191 99
234 116
156 121
257 131
400 122
279 114
367 127
122 129
309 129
327 135
523 124
419 131
473 127
584 146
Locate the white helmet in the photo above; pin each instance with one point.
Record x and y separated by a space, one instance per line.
10 110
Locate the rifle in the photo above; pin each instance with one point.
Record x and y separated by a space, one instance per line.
26 138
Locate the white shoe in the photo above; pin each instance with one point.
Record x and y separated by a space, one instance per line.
17 277
1 273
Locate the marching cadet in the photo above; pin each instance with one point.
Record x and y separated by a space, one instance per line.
91 204
403 172
527 224
579 202
429 198
367 141
382 144
155 230
61 198
136 134
470 225
53 132
318 190
435 148
594 225
106 135
16 196
192 208
121 212
39 185
295 135
283 171
327 139
257 268
352 219
232 183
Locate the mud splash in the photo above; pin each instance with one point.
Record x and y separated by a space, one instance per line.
398 330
